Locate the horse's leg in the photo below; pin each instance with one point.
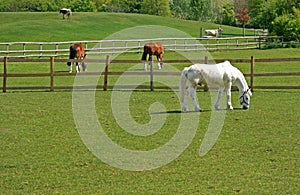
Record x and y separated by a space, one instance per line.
220 92
158 64
70 68
149 63
193 88
228 95
84 66
146 66
77 67
185 99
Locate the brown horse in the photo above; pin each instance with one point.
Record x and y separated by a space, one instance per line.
77 50
153 49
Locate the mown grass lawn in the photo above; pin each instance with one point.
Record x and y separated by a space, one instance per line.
256 152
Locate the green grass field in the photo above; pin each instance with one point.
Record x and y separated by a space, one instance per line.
257 152
90 26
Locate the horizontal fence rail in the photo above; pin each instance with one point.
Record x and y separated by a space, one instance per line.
111 47
148 74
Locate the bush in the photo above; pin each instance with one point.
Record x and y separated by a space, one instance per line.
287 25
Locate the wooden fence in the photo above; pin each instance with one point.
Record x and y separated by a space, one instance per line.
52 74
111 47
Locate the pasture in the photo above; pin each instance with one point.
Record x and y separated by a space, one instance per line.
257 152
90 26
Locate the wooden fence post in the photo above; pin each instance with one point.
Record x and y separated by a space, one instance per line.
5 74
205 62
151 75
201 29
24 48
41 50
106 73
56 49
51 73
252 73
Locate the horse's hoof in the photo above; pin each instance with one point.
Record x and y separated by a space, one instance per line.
184 110
230 108
198 109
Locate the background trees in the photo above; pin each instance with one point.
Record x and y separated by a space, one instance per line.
156 7
287 25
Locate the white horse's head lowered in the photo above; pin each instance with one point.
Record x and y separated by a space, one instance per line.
245 99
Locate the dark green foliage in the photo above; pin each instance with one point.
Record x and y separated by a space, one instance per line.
228 15
264 13
288 25
83 6
180 9
156 7
200 10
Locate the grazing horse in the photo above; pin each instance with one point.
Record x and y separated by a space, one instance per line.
213 33
77 50
65 11
153 49
220 75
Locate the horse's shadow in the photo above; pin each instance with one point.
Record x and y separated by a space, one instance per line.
178 112
61 71
203 111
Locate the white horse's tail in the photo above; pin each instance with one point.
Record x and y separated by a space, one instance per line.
182 87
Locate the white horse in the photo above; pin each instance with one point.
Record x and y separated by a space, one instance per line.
220 75
65 11
213 33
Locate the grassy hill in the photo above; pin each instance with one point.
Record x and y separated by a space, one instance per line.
27 26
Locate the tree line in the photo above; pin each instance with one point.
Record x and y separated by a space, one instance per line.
280 17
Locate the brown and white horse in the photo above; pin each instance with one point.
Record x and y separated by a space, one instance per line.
153 49
65 11
77 51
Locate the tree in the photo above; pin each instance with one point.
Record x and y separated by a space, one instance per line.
156 7
83 6
288 25
227 15
200 10
180 8
243 17
263 13
131 6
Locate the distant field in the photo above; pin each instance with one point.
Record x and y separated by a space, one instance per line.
42 152
90 26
